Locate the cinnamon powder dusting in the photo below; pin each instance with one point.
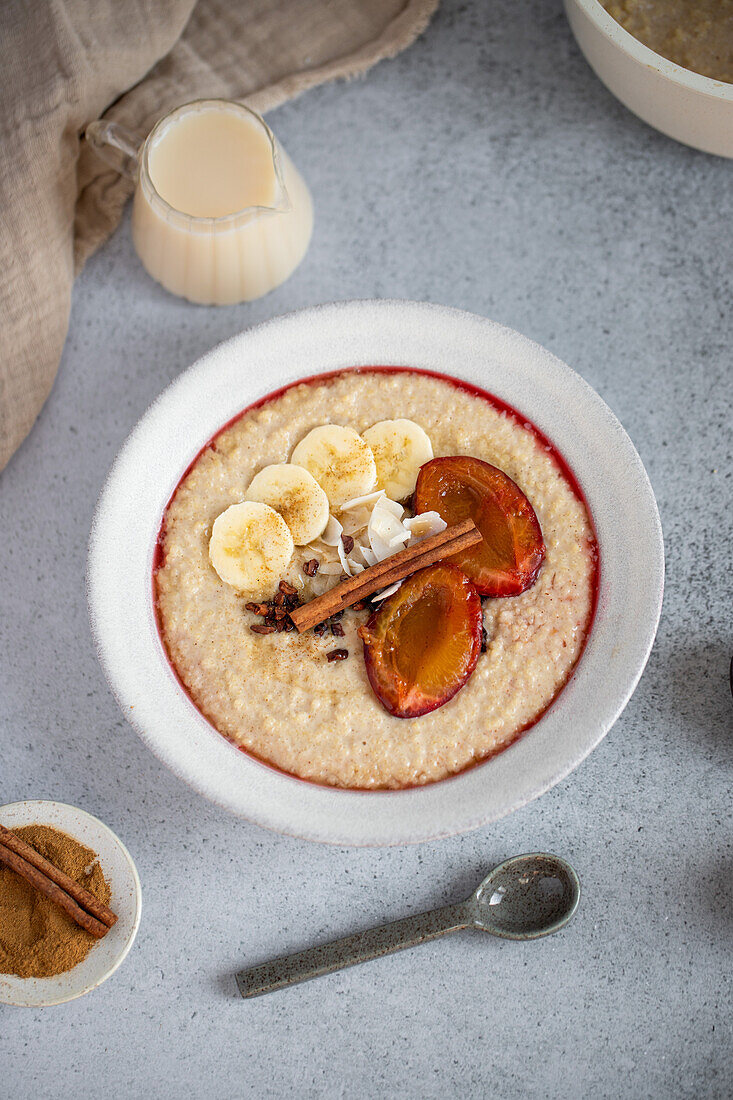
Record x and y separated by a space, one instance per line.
37 939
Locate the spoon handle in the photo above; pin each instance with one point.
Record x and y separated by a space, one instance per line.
408 932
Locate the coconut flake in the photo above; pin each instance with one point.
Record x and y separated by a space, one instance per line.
386 526
368 555
392 506
344 560
380 548
355 567
385 531
357 522
425 525
390 591
330 569
320 584
332 535
370 498
400 538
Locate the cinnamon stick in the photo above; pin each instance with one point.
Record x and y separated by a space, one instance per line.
59 897
461 536
74 889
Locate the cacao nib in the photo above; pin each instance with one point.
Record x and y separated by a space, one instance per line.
257 608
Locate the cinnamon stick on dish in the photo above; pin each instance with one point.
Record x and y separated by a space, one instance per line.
79 904
461 536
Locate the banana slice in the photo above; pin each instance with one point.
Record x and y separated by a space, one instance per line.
339 460
400 448
296 495
250 548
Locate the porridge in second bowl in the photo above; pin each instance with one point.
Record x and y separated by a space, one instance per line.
332 479
696 34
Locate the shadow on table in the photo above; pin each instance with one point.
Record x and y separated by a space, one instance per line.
693 691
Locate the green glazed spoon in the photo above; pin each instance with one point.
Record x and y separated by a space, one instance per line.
522 899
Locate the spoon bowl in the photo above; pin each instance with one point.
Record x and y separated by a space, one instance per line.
526 897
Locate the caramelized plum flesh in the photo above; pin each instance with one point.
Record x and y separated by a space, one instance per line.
423 643
511 555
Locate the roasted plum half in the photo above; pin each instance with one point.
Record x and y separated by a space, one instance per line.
510 557
423 643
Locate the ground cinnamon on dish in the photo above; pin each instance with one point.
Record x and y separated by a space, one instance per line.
37 938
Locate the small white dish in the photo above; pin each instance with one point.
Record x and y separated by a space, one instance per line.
691 108
126 901
334 337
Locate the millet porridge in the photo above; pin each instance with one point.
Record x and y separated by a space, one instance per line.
276 695
696 34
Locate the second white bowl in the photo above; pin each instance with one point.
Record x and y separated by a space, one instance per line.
691 108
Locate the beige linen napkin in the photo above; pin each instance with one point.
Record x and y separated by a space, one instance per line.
67 62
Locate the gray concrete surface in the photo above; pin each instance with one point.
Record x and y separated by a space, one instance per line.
485 168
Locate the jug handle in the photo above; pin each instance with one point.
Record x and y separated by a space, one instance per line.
114 145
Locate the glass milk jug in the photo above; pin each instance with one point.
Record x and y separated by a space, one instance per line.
220 213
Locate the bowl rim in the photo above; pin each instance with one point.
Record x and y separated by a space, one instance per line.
63 815
625 41
365 333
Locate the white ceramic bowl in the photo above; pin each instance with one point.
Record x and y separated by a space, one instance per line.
126 901
328 338
684 105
